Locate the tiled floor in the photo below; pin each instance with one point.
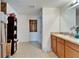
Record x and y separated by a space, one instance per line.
31 50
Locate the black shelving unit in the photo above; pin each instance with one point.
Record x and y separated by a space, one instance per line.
15 35
12 33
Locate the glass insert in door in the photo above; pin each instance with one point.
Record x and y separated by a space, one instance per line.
33 25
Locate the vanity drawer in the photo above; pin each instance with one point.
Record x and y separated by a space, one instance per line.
53 37
70 53
72 46
61 41
60 50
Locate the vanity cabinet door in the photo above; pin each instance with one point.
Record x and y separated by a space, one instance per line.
71 50
53 44
70 53
4 50
60 48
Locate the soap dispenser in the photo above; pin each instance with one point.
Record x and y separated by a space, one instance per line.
77 32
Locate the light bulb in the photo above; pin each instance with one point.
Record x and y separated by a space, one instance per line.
74 1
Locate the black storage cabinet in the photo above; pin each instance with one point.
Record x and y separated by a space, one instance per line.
11 36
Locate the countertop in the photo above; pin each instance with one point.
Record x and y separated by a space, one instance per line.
67 37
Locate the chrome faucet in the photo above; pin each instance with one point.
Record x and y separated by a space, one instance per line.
76 29
72 28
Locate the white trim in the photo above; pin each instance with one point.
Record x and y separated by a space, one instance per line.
74 5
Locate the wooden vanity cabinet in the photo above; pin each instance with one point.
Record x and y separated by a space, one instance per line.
60 48
71 50
54 44
64 48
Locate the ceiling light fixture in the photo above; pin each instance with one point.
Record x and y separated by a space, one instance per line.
32 6
75 1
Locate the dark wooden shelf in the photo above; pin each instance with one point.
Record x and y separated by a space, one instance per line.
10 33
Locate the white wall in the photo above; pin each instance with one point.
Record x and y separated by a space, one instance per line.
68 19
50 24
23 28
56 20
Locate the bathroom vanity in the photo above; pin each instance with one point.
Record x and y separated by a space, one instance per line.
65 46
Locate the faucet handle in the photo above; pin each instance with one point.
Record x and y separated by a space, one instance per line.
73 27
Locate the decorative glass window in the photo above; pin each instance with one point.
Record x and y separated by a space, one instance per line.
33 25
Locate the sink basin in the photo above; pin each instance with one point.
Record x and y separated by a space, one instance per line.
68 35
76 36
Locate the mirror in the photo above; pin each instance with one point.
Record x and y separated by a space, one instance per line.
77 20
77 15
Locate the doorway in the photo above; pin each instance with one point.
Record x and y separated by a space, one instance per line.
33 25
35 32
